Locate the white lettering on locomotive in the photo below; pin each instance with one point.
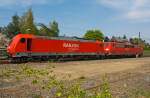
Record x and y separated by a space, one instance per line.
70 45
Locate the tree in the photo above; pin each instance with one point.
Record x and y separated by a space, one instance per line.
27 23
13 27
124 37
131 40
4 41
22 24
15 23
113 38
136 40
52 30
1 29
44 30
106 39
94 35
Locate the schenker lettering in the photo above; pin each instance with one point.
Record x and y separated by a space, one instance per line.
70 45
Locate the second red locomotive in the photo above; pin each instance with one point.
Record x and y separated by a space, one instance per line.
125 49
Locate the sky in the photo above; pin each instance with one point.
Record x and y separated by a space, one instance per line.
75 17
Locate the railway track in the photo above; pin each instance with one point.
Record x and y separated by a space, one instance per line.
3 56
5 60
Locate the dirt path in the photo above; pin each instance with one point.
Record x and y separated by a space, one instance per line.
98 67
91 68
123 74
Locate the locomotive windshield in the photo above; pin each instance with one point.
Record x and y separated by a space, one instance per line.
22 40
106 44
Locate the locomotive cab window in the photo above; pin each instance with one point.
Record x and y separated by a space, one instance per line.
120 45
22 40
106 44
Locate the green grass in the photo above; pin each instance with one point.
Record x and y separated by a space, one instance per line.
139 93
146 53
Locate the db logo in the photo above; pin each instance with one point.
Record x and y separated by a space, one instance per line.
70 45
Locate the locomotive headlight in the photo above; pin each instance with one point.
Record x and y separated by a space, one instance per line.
8 49
107 49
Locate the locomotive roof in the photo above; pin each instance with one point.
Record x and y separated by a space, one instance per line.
125 43
66 38
55 38
25 35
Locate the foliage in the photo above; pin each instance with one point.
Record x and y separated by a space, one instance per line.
1 29
135 40
124 37
105 90
140 42
44 30
12 27
4 41
119 38
52 30
139 93
27 23
106 39
94 35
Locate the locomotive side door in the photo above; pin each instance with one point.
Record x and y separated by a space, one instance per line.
29 43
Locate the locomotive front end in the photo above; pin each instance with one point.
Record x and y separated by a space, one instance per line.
107 48
11 47
18 45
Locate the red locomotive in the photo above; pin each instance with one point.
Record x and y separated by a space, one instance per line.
24 46
125 49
